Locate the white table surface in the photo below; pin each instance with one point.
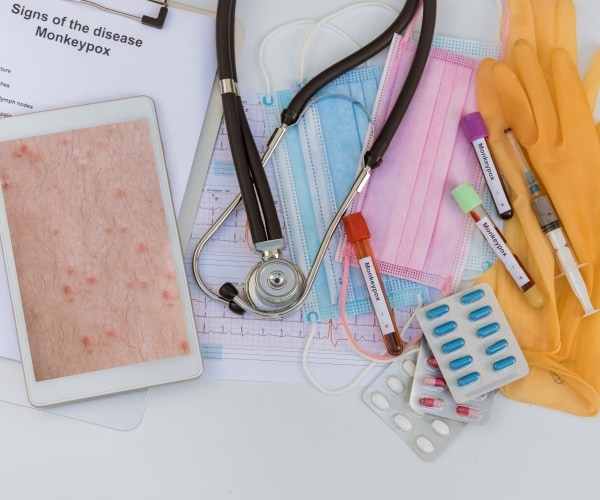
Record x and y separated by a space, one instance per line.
246 440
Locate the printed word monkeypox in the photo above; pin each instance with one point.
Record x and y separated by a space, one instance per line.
74 25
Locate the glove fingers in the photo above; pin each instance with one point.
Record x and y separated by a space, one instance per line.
521 27
591 81
544 22
540 97
488 103
515 104
566 27
571 100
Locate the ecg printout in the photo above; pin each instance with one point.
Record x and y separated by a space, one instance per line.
248 347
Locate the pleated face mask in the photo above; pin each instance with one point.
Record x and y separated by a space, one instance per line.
416 228
314 168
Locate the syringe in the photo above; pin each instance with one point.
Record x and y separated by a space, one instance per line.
552 228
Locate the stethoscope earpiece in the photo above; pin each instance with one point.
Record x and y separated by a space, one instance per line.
228 292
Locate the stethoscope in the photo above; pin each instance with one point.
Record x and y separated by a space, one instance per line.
276 287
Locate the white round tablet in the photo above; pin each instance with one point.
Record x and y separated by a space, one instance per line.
379 401
440 427
424 444
409 367
402 422
395 384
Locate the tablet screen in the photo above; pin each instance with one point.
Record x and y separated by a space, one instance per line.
91 249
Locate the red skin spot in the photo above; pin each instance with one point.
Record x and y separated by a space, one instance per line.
55 231
91 279
108 230
141 247
110 333
120 192
6 184
185 346
20 151
85 340
143 284
167 295
70 270
67 289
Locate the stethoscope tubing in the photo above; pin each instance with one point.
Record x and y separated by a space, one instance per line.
372 158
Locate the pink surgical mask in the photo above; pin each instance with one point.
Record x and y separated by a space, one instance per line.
416 227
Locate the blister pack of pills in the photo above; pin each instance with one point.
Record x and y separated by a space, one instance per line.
389 395
473 342
430 394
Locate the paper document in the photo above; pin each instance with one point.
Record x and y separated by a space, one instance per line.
58 53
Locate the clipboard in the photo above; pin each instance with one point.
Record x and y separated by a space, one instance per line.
125 412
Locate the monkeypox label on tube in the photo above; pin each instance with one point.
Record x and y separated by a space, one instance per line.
492 177
500 248
376 293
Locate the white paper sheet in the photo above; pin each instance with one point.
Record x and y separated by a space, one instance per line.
45 63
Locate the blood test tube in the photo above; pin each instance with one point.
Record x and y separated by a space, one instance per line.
474 128
470 203
358 235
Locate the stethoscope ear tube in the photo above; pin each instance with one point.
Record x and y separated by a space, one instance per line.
269 293
294 109
254 187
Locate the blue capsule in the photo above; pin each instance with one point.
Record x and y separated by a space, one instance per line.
468 379
474 296
480 313
444 328
453 345
496 347
487 330
504 363
437 312
458 363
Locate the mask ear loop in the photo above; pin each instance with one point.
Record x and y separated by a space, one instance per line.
333 15
276 31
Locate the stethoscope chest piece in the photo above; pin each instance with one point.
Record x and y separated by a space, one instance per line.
274 284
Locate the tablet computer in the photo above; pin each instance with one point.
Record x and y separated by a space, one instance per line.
95 268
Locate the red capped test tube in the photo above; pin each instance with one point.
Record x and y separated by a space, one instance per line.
358 235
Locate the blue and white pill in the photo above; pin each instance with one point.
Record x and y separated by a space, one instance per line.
487 330
504 363
453 345
437 312
496 347
444 328
474 296
480 313
468 379
458 363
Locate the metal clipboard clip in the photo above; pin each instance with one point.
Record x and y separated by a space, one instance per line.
155 22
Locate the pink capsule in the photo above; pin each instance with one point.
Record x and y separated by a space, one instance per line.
468 412
437 382
432 363
427 402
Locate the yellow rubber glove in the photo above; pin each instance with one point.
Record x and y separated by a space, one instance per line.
548 107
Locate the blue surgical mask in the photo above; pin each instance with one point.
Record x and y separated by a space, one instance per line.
314 168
